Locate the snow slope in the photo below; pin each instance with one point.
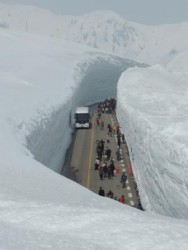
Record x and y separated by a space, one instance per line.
105 30
179 63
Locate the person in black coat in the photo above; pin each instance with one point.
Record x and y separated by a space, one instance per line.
101 192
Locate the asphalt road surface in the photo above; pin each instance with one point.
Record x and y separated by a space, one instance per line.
80 160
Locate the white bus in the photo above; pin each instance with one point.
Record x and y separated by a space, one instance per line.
82 117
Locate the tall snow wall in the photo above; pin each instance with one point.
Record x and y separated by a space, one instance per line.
152 110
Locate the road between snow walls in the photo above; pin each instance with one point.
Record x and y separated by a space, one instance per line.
51 138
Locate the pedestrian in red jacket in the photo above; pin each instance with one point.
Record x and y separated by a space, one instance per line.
97 121
122 199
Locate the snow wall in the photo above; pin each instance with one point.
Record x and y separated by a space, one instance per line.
152 111
95 79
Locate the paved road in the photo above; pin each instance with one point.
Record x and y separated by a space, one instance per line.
81 159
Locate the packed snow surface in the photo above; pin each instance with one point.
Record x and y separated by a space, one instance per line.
42 80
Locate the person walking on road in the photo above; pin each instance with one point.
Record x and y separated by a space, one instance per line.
107 138
100 149
99 113
119 142
117 128
122 199
118 154
102 142
97 121
109 172
109 129
112 166
101 172
114 129
110 194
97 163
119 139
101 192
123 179
105 170
102 125
108 153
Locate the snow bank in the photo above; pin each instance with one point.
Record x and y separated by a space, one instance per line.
152 110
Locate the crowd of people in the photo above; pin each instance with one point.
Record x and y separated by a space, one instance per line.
104 162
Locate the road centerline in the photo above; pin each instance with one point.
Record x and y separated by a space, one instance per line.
90 153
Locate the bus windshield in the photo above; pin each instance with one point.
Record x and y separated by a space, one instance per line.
82 117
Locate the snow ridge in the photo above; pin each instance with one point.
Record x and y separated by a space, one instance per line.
104 30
